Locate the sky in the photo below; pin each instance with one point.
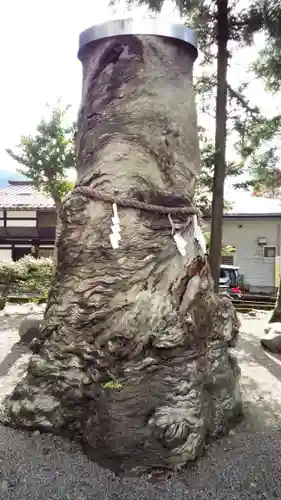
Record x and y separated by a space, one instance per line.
38 54
39 65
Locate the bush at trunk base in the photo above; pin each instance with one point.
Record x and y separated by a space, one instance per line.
26 275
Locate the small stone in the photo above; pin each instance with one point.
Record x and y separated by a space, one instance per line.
36 433
30 327
272 338
231 432
4 485
252 313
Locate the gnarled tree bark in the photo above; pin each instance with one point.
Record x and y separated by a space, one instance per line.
276 314
134 353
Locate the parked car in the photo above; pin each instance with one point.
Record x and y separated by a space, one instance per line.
230 281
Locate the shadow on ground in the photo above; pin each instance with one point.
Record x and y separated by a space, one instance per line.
245 465
252 348
14 354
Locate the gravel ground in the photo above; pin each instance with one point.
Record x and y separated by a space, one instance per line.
244 465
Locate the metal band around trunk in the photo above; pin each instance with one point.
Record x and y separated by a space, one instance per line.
138 27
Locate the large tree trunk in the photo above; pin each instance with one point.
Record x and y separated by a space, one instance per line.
134 356
58 230
220 142
276 315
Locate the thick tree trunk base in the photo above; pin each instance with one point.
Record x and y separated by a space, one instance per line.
164 399
276 316
133 358
276 313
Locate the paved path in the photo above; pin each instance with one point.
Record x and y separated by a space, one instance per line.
244 465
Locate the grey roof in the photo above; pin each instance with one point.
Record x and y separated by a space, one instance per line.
22 196
245 205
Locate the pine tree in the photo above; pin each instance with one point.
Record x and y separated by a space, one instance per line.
266 173
259 147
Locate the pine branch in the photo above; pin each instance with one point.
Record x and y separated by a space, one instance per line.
254 111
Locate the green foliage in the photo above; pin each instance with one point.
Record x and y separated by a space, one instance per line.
265 17
254 134
260 154
42 296
63 187
48 155
268 66
258 130
261 136
27 275
226 249
203 186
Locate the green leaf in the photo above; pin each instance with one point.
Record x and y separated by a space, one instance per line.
48 155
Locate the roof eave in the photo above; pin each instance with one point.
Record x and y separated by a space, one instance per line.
27 207
248 216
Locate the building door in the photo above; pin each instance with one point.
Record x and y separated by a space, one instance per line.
19 252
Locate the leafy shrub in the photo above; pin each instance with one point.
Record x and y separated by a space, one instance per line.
225 250
26 275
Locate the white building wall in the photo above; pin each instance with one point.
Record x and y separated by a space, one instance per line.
21 218
21 214
21 223
5 252
259 272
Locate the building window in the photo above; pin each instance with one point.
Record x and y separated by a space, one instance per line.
21 223
20 251
47 219
228 260
46 252
269 252
21 214
20 218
